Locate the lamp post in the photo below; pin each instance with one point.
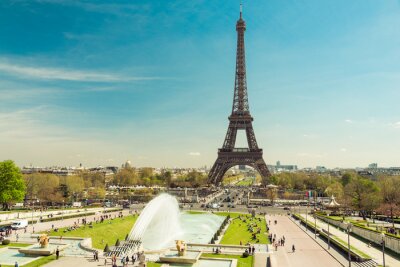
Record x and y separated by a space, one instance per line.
315 225
306 215
383 248
329 240
348 241
62 213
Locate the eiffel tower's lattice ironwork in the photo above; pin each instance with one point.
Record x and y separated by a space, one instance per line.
240 119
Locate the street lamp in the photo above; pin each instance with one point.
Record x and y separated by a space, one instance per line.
348 241
62 212
383 247
329 234
306 215
315 225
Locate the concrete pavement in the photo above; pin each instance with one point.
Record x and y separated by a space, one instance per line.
308 253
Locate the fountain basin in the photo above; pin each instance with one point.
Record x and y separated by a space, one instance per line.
172 256
37 250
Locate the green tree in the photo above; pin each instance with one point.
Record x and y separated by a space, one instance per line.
335 189
390 193
44 186
364 195
12 186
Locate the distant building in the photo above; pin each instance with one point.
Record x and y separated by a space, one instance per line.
281 168
373 166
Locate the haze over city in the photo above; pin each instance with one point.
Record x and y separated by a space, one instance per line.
152 82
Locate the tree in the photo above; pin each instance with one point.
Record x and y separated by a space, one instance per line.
126 177
12 186
390 193
335 189
75 185
346 178
44 186
364 195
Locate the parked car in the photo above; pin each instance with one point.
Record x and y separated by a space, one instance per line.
19 224
4 228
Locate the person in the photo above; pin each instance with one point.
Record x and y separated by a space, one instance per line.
127 260
57 253
293 248
105 261
16 264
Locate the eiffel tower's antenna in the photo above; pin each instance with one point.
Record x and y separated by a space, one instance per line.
241 9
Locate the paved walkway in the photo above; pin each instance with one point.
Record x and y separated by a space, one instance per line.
260 259
376 254
308 252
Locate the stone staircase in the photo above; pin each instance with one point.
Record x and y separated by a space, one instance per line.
369 263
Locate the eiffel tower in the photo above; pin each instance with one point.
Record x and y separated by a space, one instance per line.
240 119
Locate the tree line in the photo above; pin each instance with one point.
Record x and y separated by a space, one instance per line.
352 191
48 189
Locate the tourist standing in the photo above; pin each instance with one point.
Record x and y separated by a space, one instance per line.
293 248
16 264
57 253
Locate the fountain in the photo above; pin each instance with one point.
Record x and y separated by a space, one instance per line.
158 224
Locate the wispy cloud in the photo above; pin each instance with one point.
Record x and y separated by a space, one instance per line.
349 121
195 154
396 125
43 73
343 149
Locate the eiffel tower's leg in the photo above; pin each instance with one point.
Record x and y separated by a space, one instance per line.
251 138
262 169
230 138
217 171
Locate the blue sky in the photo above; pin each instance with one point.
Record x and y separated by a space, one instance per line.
101 82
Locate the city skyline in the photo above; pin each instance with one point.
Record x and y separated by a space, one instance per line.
98 83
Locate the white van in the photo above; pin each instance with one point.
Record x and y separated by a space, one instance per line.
19 224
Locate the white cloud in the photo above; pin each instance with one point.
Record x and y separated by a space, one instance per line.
396 125
343 149
349 121
42 73
194 154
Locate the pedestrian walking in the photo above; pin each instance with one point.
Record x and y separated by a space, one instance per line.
293 248
57 253
105 261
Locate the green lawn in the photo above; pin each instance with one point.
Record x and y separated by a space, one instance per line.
242 262
19 245
238 230
246 182
40 262
153 264
102 233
